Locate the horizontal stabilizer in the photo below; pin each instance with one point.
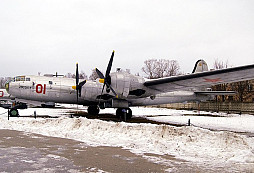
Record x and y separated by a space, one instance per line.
216 92
32 103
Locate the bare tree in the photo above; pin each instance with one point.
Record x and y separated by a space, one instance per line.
69 75
150 68
94 75
221 87
3 81
220 64
160 68
173 69
242 89
82 75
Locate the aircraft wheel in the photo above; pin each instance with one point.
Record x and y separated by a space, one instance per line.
93 110
129 113
120 113
14 112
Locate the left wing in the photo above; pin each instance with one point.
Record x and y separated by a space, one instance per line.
203 79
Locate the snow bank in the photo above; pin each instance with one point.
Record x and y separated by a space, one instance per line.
190 143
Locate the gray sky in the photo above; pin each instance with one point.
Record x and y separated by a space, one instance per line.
50 36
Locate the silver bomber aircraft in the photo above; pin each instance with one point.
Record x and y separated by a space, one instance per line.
123 90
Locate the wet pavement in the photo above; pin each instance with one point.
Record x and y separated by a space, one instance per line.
28 152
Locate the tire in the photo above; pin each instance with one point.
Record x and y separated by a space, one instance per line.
93 110
120 114
129 113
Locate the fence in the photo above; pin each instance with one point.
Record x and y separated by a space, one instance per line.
229 107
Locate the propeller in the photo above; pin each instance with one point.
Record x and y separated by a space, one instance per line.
106 80
78 86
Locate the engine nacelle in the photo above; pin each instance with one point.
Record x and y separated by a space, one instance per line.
127 85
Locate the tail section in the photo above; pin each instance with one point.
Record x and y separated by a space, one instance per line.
200 66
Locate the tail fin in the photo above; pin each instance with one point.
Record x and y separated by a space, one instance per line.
200 66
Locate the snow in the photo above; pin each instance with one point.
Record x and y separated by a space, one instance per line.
194 143
216 121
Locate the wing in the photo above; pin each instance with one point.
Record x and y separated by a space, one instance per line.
203 79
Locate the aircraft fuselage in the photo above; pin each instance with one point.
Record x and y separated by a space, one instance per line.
60 90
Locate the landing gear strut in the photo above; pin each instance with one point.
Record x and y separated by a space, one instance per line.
124 113
93 110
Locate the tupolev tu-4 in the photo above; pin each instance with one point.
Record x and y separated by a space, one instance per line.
123 90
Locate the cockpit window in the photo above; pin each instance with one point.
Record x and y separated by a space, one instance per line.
20 78
28 79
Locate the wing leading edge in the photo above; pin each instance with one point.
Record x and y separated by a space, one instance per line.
203 79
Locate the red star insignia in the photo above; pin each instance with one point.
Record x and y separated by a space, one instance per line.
213 80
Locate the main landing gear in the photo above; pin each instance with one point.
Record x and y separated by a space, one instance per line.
93 110
122 113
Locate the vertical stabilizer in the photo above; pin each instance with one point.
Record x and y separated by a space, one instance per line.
200 66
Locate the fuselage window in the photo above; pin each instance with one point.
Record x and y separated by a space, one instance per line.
50 82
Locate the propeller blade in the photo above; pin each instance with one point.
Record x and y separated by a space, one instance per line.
77 95
80 87
77 75
107 78
102 88
82 83
110 64
102 77
109 86
99 73
77 81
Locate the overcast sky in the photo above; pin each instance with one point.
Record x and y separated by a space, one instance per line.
50 36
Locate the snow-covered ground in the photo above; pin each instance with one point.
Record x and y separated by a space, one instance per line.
192 143
208 120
